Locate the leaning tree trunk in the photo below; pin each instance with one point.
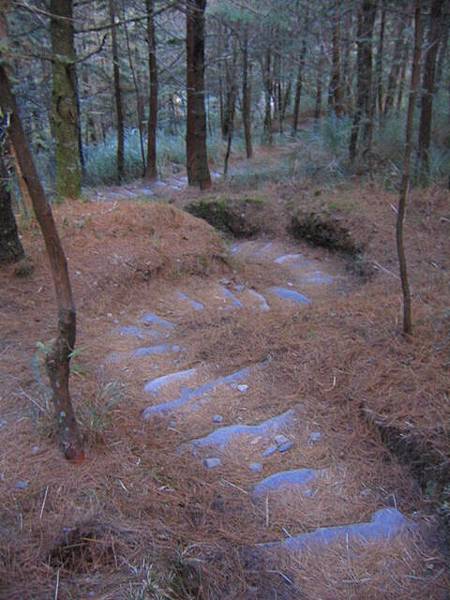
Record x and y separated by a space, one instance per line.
64 113
196 151
11 249
404 190
151 172
58 356
428 87
117 95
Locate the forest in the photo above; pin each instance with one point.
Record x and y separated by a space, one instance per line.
224 299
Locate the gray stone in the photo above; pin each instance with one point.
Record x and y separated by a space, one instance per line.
22 485
276 482
35 450
281 439
315 437
256 467
212 463
242 387
3 423
285 447
217 419
269 451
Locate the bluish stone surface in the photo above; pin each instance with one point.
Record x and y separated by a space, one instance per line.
152 319
256 467
286 446
160 349
224 435
288 258
287 294
217 419
269 451
230 296
155 386
298 477
188 394
212 463
318 278
385 524
195 305
314 437
139 332
263 305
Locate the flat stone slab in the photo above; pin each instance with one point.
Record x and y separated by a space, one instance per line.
287 294
152 319
222 437
158 349
194 304
156 385
385 524
262 302
227 294
287 258
139 332
188 394
293 479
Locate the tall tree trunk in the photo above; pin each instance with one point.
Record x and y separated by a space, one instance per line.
11 249
117 95
363 113
64 114
268 97
318 104
443 48
379 63
395 68
335 83
231 105
151 172
428 90
58 356
246 95
299 83
196 150
404 190
402 78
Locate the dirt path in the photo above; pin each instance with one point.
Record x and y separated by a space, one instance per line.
243 419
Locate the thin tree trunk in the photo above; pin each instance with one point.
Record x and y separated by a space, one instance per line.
299 83
402 78
379 61
335 84
11 249
117 95
246 96
196 150
428 87
232 75
395 69
318 104
65 104
268 92
404 190
151 171
58 357
136 89
442 50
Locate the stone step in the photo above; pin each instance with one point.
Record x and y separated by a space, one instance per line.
290 294
384 525
293 480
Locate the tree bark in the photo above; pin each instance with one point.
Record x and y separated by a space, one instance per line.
395 69
117 96
268 96
404 190
58 356
363 112
196 150
151 172
246 95
428 91
299 83
335 83
318 103
11 249
379 62
65 104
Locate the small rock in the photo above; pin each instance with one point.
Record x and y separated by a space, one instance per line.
242 387
35 450
314 437
217 419
172 423
269 451
22 485
256 467
3 423
308 493
285 447
281 439
212 463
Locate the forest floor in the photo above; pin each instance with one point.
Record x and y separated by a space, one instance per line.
186 338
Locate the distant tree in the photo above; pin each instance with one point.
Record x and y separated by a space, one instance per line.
64 114
363 118
404 189
120 121
246 91
196 152
428 89
150 167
